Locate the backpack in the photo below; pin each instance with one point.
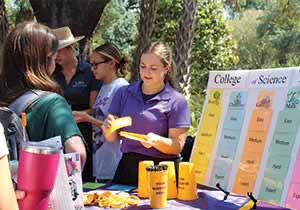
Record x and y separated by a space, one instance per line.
11 121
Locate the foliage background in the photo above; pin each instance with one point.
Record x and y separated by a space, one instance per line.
229 34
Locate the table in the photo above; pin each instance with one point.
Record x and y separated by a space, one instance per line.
207 200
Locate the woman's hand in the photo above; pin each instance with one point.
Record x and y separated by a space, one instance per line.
152 138
20 195
108 122
106 125
80 116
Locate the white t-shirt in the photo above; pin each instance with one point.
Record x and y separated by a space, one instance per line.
3 145
107 157
103 101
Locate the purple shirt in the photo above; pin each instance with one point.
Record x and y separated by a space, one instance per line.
166 110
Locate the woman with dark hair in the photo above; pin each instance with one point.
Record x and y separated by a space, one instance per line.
108 65
157 110
79 86
28 61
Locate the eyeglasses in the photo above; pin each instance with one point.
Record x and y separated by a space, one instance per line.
94 65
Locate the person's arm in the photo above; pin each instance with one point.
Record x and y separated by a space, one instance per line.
179 123
93 95
94 88
114 112
8 199
92 99
106 125
80 116
75 144
63 124
171 145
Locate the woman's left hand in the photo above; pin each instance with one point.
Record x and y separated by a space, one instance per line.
152 138
80 116
20 195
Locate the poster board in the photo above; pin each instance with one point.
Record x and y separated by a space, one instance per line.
248 136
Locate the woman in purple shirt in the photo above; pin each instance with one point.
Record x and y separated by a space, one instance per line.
157 110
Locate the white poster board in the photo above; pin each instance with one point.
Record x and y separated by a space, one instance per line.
248 136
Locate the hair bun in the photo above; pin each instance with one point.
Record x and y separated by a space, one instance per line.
124 60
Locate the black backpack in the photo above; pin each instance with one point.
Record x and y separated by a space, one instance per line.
11 121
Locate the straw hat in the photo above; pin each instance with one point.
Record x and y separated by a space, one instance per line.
65 37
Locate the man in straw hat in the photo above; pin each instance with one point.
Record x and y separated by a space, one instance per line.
79 85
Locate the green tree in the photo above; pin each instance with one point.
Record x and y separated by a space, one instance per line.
236 8
280 26
184 45
253 52
18 11
166 25
118 24
213 46
148 13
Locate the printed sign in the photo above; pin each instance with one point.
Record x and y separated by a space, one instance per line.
248 138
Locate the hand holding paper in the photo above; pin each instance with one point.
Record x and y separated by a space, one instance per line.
145 140
111 124
80 116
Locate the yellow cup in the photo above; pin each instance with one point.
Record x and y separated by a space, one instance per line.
143 186
158 183
172 189
187 186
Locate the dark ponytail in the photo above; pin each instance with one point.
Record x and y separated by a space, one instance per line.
122 66
110 51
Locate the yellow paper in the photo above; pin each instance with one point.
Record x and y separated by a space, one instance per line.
199 178
206 135
205 140
204 144
201 150
210 117
200 171
119 123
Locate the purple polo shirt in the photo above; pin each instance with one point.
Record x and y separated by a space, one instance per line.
166 110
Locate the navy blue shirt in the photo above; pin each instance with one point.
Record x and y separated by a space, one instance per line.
77 92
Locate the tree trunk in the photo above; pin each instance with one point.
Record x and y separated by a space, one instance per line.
146 26
81 16
3 23
183 45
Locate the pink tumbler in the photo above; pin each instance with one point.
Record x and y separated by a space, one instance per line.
38 165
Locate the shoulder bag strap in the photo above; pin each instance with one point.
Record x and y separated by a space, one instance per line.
24 101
